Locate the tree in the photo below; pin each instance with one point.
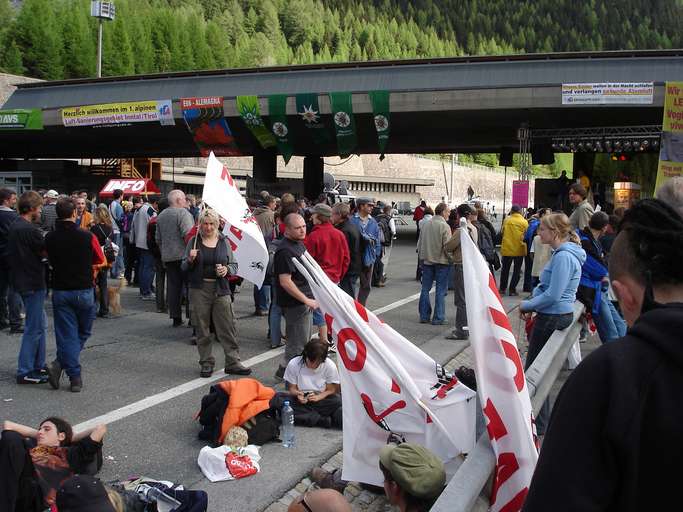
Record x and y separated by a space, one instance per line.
38 37
11 60
80 48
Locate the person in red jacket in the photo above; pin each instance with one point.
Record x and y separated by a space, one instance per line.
328 247
418 215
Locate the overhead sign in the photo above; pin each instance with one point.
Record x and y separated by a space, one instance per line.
21 119
131 187
626 93
671 147
119 113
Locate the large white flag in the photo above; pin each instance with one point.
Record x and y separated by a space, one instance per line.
243 233
500 383
388 386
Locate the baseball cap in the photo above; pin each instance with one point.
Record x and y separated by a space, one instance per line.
83 493
364 200
415 469
52 194
322 209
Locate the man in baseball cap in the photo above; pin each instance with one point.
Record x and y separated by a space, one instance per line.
413 476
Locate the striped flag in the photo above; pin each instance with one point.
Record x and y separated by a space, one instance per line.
501 383
389 386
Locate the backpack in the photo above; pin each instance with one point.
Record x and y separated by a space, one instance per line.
485 244
272 249
385 229
108 247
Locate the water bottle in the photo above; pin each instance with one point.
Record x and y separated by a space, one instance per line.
287 425
156 495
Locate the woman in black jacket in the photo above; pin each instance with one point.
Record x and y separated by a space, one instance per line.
209 262
102 229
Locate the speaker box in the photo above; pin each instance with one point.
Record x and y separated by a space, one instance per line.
505 158
542 154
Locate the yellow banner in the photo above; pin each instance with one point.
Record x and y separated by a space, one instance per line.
671 152
119 113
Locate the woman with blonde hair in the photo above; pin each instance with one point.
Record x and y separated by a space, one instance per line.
209 261
102 228
553 299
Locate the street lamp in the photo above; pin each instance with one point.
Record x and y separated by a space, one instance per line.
101 11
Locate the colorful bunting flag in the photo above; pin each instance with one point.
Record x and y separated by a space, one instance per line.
344 122
307 107
210 130
277 113
380 113
248 107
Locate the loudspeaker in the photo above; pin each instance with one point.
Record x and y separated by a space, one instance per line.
505 158
542 154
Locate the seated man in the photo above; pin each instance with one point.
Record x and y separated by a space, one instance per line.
413 476
36 462
313 384
320 500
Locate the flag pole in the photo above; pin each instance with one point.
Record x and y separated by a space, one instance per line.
194 246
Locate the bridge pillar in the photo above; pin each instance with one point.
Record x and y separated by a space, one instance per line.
313 177
265 168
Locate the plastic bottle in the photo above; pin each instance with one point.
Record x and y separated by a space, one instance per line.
155 495
288 440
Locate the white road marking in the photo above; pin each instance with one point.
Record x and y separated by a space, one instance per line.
174 392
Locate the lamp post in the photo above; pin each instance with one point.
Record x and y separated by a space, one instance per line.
101 11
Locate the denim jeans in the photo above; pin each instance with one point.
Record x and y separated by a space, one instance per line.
118 266
32 351
544 327
74 313
10 301
274 318
610 324
349 284
431 273
146 271
262 297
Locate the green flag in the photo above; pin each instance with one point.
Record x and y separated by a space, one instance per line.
380 114
249 110
277 113
344 123
21 119
309 111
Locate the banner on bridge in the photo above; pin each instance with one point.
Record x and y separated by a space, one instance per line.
21 119
501 383
625 93
205 119
390 386
671 146
112 114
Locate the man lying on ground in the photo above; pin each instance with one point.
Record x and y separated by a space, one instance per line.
35 463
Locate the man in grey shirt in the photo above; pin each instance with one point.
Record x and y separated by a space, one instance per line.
173 225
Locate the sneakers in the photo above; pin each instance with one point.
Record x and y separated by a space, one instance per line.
280 373
457 335
16 330
54 374
31 378
148 298
261 312
206 371
513 293
237 369
177 322
76 384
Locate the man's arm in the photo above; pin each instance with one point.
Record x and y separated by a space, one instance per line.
20 429
96 434
289 286
186 223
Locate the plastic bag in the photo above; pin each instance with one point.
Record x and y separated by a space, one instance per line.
212 461
574 356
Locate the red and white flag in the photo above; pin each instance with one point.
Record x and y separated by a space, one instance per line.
389 386
246 240
501 383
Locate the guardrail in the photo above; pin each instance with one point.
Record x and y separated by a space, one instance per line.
463 492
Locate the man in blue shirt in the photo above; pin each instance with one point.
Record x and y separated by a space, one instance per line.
370 244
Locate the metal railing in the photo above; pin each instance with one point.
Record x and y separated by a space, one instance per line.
463 492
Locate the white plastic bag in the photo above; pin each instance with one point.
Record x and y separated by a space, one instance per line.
574 356
212 461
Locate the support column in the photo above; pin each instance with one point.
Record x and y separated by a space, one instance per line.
313 177
265 169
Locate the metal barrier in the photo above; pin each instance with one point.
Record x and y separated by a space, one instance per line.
462 494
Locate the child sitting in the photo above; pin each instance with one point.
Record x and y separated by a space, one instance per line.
313 384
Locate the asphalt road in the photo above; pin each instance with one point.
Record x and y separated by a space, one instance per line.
142 375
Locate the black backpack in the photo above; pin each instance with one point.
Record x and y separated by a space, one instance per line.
383 221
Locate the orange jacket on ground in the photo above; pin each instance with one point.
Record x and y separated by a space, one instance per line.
248 397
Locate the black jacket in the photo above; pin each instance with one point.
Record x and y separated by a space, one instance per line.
194 269
7 218
614 439
26 252
72 252
353 238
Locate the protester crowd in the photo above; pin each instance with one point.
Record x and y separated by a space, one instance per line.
624 268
